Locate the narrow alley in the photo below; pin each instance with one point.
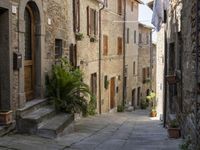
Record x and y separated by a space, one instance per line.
114 131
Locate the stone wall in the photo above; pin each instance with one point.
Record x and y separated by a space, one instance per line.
132 51
144 59
182 32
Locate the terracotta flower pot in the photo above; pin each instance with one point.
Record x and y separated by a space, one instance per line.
5 117
153 114
174 132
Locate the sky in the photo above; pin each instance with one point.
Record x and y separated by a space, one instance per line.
145 14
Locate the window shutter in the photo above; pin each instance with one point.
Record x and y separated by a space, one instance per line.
75 55
78 1
71 47
119 45
76 15
105 44
88 20
120 7
96 15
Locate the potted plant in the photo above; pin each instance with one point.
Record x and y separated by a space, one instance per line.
144 104
5 117
153 112
79 36
93 39
173 129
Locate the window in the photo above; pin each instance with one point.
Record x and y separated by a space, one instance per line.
106 3
73 55
135 37
94 84
132 6
148 72
76 15
144 75
134 68
119 45
58 48
127 35
92 22
140 37
119 8
147 38
105 45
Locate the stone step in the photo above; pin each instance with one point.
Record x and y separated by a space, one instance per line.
29 122
54 126
31 106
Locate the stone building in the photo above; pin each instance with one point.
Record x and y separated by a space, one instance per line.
153 66
144 64
160 59
112 54
182 63
131 53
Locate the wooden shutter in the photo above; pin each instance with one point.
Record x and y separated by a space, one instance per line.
119 44
75 56
105 45
76 15
144 74
119 7
88 20
92 21
96 15
71 47
127 35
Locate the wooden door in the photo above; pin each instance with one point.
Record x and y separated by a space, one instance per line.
138 96
29 54
133 97
112 93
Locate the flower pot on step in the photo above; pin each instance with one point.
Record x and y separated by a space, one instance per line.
5 117
174 132
153 114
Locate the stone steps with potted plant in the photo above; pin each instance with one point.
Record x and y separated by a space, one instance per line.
37 117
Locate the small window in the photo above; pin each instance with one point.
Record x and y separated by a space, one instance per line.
147 38
120 45
119 8
132 6
73 55
127 36
140 37
58 48
76 15
135 37
92 22
105 45
134 68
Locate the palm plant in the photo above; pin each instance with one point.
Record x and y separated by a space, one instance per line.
66 89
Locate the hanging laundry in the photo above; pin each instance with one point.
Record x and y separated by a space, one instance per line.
159 7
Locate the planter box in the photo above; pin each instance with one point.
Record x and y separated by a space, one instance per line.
174 133
5 117
171 79
153 114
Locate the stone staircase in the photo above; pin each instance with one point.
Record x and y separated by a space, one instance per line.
40 118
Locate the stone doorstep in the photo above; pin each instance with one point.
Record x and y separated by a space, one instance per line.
6 129
53 127
31 106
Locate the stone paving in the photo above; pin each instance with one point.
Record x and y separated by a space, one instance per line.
114 131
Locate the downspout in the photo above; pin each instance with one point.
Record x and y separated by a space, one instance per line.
100 46
124 54
165 80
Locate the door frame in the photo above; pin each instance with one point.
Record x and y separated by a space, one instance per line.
112 93
133 97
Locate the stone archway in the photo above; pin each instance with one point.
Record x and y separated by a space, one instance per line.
37 12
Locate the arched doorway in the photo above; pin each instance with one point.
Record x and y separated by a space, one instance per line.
31 19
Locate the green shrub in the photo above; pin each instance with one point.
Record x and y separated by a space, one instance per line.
120 108
66 89
174 123
144 104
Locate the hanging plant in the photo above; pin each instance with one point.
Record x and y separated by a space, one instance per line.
79 36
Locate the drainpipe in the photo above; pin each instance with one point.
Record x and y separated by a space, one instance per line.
124 54
100 46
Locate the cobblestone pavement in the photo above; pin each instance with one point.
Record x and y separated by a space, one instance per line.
114 131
